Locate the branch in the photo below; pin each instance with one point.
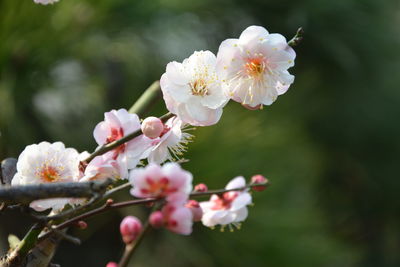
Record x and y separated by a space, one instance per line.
297 38
111 205
25 194
17 256
146 99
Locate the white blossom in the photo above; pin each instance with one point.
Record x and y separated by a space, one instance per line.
228 208
192 89
47 163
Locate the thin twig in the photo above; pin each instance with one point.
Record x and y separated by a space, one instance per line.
72 239
146 99
110 205
297 38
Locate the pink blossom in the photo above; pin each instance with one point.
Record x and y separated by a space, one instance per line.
157 181
130 228
117 124
228 208
177 217
112 264
254 68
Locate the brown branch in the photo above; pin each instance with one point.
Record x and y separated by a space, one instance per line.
25 194
297 38
111 205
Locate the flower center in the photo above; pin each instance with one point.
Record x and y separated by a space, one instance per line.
199 87
116 133
255 67
49 174
224 202
158 188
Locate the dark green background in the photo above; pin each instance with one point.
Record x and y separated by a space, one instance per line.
330 145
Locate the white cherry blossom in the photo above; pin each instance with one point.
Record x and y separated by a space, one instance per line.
228 208
254 68
47 163
192 89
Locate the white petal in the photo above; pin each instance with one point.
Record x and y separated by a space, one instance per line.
236 182
253 32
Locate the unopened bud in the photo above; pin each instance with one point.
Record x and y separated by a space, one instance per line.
109 201
130 228
156 219
112 264
259 179
82 225
152 127
196 210
201 188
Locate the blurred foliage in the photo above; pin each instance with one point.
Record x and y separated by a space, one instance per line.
329 146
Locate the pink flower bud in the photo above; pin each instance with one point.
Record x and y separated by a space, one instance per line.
130 228
259 179
196 210
81 225
112 264
152 127
201 188
156 219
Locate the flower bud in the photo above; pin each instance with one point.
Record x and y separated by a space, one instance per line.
259 179
156 219
200 188
196 210
130 228
112 264
81 225
152 127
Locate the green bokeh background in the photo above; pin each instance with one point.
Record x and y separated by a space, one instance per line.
330 145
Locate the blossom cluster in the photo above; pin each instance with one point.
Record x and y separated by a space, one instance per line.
252 70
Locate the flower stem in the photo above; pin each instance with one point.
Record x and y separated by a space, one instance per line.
146 100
